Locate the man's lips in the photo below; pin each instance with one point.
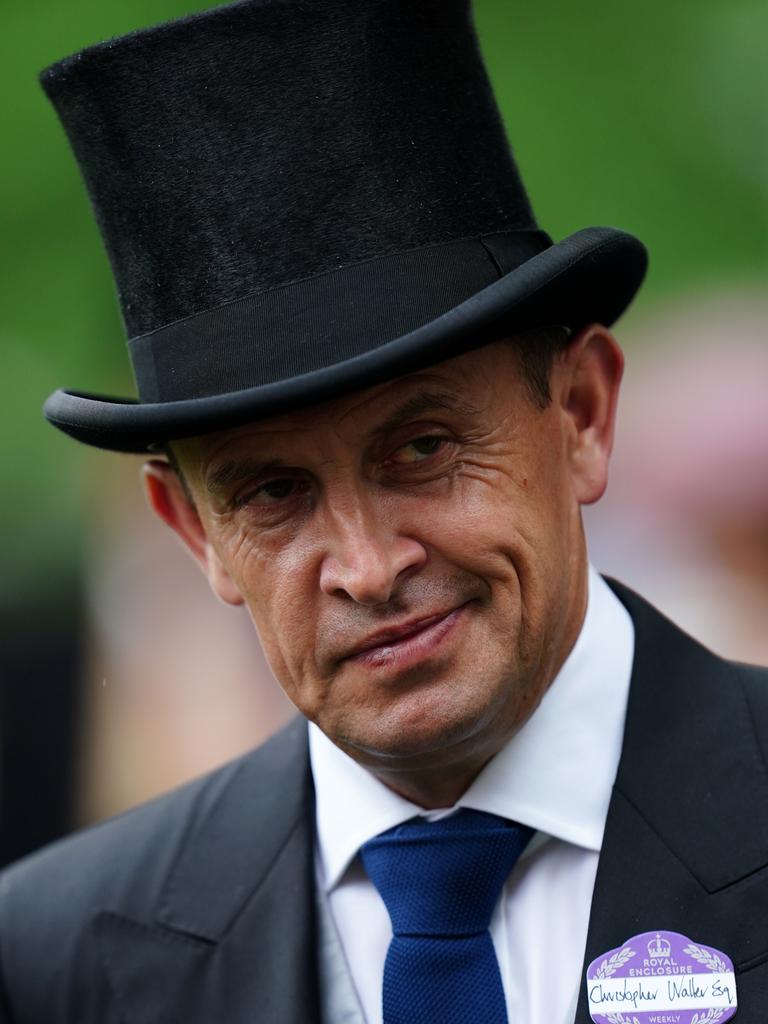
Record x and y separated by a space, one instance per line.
395 637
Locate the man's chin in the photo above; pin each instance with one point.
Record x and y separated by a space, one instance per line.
413 738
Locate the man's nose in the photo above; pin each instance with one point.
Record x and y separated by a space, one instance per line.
366 556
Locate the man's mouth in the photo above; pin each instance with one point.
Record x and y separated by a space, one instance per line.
406 642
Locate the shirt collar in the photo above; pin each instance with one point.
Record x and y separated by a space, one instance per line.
556 774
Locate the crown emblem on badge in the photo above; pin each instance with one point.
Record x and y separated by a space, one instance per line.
659 947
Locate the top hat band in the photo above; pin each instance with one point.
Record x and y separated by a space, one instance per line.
305 325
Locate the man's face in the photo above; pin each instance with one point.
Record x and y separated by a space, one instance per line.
411 555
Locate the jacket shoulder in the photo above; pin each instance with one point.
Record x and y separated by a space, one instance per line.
49 899
124 859
664 633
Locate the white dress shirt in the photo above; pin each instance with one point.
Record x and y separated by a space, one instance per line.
555 775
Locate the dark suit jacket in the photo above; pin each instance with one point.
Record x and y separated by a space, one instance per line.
198 907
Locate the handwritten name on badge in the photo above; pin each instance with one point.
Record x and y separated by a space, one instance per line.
661 978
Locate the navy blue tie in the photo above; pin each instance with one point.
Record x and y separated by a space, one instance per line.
440 882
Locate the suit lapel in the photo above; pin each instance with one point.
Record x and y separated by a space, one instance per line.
233 936
686 837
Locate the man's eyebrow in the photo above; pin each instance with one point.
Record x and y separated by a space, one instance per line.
417 405
234 470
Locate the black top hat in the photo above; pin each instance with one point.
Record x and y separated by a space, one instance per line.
304 197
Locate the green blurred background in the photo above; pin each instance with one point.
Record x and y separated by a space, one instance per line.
652 117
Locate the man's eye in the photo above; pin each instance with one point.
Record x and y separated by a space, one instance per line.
272 491
418 450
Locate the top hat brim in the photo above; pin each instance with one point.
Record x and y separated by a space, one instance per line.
589 277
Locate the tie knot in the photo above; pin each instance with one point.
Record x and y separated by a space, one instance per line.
443 878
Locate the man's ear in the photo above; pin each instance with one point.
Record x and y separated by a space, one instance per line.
168 500
589 378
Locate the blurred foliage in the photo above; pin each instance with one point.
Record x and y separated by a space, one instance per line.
650 117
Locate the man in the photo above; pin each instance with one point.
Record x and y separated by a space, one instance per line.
385 395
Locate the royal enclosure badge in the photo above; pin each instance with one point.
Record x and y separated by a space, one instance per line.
661 978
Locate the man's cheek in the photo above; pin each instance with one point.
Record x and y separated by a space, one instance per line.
284 626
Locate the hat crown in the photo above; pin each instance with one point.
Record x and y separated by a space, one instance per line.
269 141
301 198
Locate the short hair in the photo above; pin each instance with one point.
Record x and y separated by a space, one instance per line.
535 348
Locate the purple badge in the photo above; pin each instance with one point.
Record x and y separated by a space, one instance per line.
661 978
